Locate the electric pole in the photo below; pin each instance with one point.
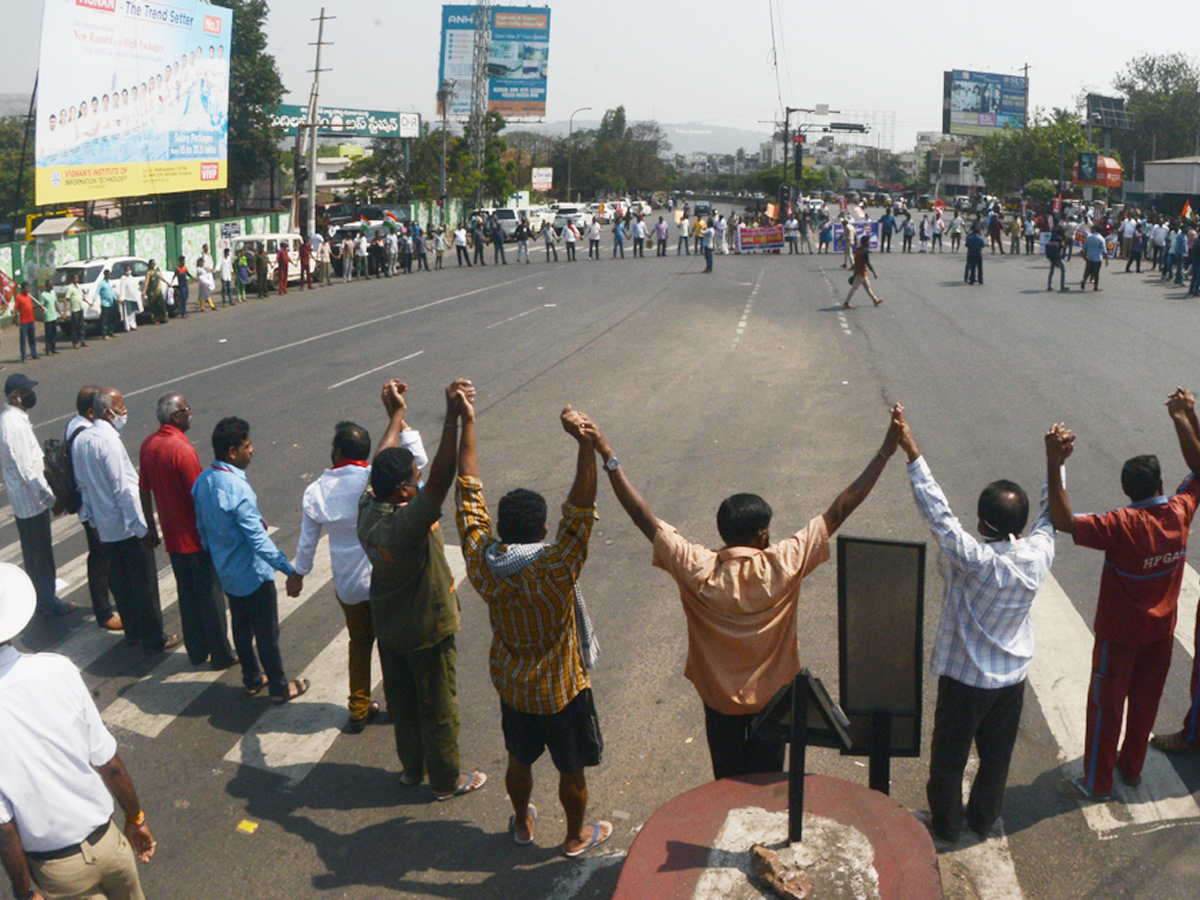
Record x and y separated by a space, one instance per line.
479 88
445 95
312 132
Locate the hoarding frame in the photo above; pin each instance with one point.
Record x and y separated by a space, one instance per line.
993 100
517 59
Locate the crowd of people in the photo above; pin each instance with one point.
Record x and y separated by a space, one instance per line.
395 590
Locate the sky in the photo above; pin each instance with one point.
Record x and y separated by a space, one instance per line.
713 62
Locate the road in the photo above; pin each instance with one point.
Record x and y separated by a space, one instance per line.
749 379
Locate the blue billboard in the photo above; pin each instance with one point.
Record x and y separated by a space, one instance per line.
517 56
978 103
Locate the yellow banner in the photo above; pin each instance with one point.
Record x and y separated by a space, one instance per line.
66 184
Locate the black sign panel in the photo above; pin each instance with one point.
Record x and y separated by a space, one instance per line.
1089 167
881 590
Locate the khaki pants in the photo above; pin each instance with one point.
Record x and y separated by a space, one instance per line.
862 280
362 641
107 868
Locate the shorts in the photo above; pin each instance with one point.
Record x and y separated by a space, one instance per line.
572 734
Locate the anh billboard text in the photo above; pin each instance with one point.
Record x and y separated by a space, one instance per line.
980 102
516 64
133 99
341 120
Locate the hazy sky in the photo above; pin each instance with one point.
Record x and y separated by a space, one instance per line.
710 61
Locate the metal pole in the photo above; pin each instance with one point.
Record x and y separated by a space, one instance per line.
444 95
796 757
312 119
570 148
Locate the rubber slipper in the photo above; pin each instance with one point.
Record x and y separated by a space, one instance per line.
295 689
512 827
256 690
473 783
1173 743
595 841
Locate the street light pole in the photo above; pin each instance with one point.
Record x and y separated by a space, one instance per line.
570 128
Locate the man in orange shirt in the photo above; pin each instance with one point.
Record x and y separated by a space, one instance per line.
740 603
23 307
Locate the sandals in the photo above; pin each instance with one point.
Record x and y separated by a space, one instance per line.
294 690
599 836
358 723
474 782
1174 743
255 690
512 827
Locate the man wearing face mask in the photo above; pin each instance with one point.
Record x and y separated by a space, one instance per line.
111 502
28 492
169 467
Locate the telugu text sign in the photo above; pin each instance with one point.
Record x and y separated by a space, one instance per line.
132 99
350 122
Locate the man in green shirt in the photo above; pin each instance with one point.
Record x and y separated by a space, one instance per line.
155 303
49 304
75 301
414 606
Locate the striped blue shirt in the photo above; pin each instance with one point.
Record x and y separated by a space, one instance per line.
985 637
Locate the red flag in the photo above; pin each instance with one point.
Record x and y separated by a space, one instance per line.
8 289
1187 209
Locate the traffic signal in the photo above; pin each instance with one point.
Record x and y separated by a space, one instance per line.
798 146
785 198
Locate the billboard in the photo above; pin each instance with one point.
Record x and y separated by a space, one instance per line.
516 64
543 178
979 102
133 99
346 122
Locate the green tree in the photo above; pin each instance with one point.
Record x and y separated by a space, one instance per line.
1042 189
255 91
1163 102
1012 158
12 134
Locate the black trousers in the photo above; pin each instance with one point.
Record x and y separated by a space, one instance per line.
256 628
885 241
201 609
135 588
37 551
98 569
51 337
76 328
462 255
974 271
988 717
732 751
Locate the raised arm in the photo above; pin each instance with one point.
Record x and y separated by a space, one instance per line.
1060 443
394 405
583 490
459 396
849 499
627 495
1181 406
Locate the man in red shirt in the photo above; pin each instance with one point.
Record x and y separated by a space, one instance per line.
282 259
305 265
1145 545
23 305
169 466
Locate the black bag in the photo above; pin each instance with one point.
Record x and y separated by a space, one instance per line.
60 472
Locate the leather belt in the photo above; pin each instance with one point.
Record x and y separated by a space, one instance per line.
73 849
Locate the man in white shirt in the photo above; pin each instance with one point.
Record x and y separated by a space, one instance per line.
791 234
130 297
331 503
685 231
61 772
97 561
112 502
21 463
227 277
720 227
460 245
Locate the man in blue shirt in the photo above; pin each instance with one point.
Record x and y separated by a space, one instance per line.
108 302
1093 252
619 239
975 245
235 534
887 224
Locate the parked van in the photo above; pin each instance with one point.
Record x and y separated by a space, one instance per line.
272 243
91 272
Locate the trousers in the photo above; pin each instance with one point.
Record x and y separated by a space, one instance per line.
421 688
97 574
201 609
362 640
107 868
134 583
1124 677
255 619
731 749
989 718
37 552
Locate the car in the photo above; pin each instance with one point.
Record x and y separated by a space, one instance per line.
814 204
509 217
273 243
577 215
641 208
91 272
702 208
962 203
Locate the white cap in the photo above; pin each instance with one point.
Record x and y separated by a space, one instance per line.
18 599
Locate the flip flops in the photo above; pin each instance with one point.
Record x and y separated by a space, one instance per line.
512 827
255 690
597 838
294 690
476 780
1174 743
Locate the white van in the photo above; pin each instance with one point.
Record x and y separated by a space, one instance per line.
272 242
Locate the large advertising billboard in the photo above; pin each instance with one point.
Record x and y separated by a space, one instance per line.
516 65
133 99
340 120
978 103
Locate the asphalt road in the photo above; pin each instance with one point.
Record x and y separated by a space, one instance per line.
749 379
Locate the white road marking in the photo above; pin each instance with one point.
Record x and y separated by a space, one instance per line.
512 318
61 529
374 370
153 703
1059 677
741 325
292 738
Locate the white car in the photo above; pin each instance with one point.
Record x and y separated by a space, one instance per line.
814 204
273 242
91 272
576 214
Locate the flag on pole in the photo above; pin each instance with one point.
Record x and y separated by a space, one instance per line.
1187 209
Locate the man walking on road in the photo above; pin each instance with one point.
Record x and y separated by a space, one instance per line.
60 775
1145 548
414 604
741 603
109 487
21 462
169 466
542 642
1093 254
975 244
1054 253
984 642
234 533
862 262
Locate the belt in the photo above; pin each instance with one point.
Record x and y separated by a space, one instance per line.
73 849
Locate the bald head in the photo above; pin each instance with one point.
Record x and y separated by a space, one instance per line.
84 400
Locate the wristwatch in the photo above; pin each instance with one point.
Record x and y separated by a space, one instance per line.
612 464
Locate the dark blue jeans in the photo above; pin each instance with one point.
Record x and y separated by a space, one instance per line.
255 620
28 335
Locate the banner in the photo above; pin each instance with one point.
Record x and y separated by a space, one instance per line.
516 64
133 99
981 103
543 179
347 122
839 243
756 240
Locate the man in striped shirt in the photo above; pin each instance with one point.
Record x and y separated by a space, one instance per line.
537 662
984 642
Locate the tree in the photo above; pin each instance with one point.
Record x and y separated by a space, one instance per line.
1014 157
1042 189
12 136
255 91
1163 102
